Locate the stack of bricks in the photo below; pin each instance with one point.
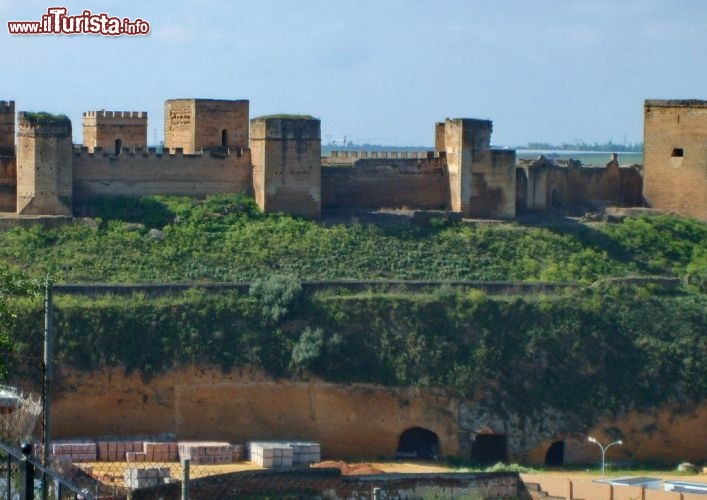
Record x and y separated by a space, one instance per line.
153 452
145 478
305 452
211 453
75 452
117 451
270 454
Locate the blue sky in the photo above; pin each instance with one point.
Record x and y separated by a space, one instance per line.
379 71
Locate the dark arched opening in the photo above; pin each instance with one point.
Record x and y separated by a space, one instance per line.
555 199
555 456
224 138
418 443
489 449
118 146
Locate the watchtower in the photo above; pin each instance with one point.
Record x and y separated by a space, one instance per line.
675 156
481 180
44 168
195 124
7 128
114 130
286 154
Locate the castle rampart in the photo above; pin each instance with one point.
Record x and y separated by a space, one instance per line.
387 183
115 130
147 172
675 173
7 128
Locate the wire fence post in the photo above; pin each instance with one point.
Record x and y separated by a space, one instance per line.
185 479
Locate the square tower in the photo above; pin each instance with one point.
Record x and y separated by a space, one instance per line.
675 156
482 181
44 165
286 153
114 130
7 128
195 124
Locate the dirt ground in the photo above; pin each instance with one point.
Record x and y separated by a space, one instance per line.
111 473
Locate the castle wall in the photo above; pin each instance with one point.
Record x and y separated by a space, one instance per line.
44 173
140 173
103 128
549 186
387 183
195 124
675 156
286 156
7 128
8 184
493 189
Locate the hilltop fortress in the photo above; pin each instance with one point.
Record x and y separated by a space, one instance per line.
211 146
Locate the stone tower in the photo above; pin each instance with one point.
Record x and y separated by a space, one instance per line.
481 180
286 154
195 124
44 169
675 156
7 128
114 130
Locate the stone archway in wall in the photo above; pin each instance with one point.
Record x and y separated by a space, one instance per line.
489 449
418 443
555 456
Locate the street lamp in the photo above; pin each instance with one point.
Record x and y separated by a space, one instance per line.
603 451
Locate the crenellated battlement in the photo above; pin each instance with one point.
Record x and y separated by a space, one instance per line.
7 107
113 115
99 152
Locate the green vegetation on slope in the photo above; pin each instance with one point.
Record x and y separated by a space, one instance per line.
226 238
601 350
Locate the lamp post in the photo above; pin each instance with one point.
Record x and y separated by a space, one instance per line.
603 451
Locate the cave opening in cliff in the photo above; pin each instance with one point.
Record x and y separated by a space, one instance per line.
418 443
555 456
489 449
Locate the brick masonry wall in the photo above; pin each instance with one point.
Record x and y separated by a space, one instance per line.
147 173
674 183
7 128
8 184
375 184
180 124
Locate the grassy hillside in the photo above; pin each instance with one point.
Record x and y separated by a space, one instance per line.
225 238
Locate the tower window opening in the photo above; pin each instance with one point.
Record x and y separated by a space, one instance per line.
118 146
224 138
677 153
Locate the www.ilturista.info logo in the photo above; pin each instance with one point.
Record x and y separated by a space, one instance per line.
57 22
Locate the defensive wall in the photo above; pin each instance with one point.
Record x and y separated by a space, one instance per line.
213 148
675 138
421 184
544 185
140 172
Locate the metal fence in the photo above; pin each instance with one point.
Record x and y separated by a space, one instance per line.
25 478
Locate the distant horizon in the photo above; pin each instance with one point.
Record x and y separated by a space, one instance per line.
373 72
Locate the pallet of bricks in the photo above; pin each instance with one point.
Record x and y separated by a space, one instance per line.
74 451
283 454
116 451
210 452
136 477
154 452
